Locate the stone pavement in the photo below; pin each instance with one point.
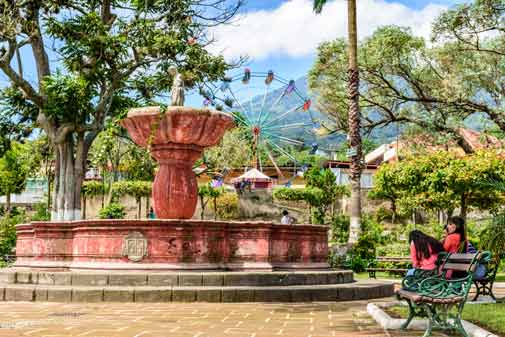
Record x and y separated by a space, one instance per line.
342 319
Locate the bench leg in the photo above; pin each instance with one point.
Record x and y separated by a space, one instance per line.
478 292
459 326
427 333
412 313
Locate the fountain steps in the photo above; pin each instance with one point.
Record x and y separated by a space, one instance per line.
299 286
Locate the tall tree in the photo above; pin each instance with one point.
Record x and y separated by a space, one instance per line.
354 118
474 34
108 52
404 82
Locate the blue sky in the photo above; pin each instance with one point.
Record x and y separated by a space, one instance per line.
283 35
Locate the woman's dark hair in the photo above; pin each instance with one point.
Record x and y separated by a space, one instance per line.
460 226
284 212
425 244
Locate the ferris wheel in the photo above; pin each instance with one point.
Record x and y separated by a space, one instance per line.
276 112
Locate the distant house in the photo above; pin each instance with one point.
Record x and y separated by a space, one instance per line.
391 152
34 192
342 169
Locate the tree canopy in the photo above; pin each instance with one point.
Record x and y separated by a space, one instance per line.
442 181
93 60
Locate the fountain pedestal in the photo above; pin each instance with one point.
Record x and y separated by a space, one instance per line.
176 138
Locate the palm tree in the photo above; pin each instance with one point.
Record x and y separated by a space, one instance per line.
354 118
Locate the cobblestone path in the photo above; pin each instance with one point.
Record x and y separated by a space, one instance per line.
342 319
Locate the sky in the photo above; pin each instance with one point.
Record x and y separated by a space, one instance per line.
283 35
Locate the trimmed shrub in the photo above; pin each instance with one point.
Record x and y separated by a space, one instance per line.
112 211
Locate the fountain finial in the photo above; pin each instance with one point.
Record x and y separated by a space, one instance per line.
177 87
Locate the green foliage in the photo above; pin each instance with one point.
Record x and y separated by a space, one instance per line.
8 232
492 237
227 206
94 60
137 189
42 213
321 192
289 194
405 81
112 211
206 193
13 170
93 188
234 150
114 151
441 181
365 250
69 98
340 228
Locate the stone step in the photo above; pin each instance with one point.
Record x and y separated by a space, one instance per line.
320 293
160 279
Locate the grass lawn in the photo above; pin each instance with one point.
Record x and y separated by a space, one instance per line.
488 316
500 278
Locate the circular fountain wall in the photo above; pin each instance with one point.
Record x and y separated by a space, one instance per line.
170 245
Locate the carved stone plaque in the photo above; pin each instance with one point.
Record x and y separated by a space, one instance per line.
135 246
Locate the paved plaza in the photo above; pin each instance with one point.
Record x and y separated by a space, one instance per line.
323 319
343 319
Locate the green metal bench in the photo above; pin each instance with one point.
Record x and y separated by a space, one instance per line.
441 299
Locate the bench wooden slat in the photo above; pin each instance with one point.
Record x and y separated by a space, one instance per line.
462 257
457 266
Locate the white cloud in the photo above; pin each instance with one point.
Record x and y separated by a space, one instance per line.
294 30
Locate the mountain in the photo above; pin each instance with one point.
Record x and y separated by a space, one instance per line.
379 135
313 118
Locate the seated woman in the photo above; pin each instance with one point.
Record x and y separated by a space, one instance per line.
455 236
424 250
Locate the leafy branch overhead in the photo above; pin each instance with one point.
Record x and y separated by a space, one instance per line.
407 82
94 60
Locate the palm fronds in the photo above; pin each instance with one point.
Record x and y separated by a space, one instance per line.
318 5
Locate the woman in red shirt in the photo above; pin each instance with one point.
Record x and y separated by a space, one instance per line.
424 250
455 239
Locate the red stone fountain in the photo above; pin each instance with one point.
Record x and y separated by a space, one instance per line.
176 138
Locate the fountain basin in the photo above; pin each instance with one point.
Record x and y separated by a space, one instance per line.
170 245
176 138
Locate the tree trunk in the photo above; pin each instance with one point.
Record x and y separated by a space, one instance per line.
464 206
215 208
202 207
49 178
69 176
84 207
393 209
354 122
7 202
139 204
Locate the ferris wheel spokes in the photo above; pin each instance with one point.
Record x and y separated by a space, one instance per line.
283 115
287 126
244 111
263 104
281 150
